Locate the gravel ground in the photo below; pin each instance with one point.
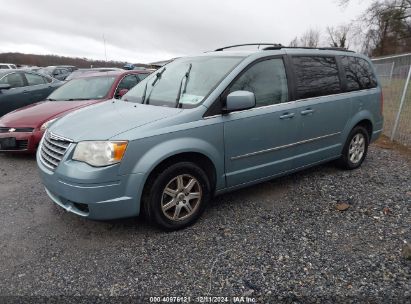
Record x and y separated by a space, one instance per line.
281 240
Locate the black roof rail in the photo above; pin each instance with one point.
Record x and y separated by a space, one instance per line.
248 44
270 48
336 49
279 46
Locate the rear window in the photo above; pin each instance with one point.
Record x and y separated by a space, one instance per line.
316 76
33 79
83 89
358 73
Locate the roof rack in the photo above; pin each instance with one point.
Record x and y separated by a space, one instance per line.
248 44
279 46
269 48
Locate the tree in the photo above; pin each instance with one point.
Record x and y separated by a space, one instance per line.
310 38
294 42
46 60
386 27
338 36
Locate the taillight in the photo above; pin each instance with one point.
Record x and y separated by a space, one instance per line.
382 103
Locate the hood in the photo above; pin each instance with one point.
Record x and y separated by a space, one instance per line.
108 119
33 116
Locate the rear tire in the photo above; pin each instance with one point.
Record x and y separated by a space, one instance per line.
177 196
355 149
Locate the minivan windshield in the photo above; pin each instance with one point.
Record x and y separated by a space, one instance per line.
83 89
184 82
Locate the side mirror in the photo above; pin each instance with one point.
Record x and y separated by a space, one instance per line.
55 73
5 87
239 100
121 93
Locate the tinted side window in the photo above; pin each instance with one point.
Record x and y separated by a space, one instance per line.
267 80
358 73
15 80
316 76
33 79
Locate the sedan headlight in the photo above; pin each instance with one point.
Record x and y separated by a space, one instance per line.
47 124
100 153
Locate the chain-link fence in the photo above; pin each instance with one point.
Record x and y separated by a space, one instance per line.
394 73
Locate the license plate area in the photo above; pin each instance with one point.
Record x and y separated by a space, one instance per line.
8 143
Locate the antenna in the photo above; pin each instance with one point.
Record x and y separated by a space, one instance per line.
105 49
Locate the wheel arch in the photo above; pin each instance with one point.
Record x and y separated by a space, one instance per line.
197 158
363 118
367 124
195 150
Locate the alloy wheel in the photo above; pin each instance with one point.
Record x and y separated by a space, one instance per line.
357 148
181 197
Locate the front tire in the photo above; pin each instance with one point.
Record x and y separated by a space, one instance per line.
177 196
355 149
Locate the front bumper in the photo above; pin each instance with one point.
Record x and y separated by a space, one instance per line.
95 193
26 142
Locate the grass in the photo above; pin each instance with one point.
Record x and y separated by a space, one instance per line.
384 142
393 91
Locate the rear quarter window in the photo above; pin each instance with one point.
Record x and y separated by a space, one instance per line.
358 73
316 76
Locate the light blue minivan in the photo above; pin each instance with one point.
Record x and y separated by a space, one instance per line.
204 125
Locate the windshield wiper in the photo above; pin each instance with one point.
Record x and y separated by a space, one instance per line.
182 90
158 77
143 98
50 99
74 99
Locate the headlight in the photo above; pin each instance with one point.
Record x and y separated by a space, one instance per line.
100 153
47 124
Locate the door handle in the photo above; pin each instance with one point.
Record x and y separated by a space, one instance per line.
287 116
307 112
25 92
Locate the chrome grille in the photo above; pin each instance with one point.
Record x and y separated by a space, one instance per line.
9 130
53 149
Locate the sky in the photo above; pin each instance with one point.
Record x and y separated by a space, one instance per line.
150 30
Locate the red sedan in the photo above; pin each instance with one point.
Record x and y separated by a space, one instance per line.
22 130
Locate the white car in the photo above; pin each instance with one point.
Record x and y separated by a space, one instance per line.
7 66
